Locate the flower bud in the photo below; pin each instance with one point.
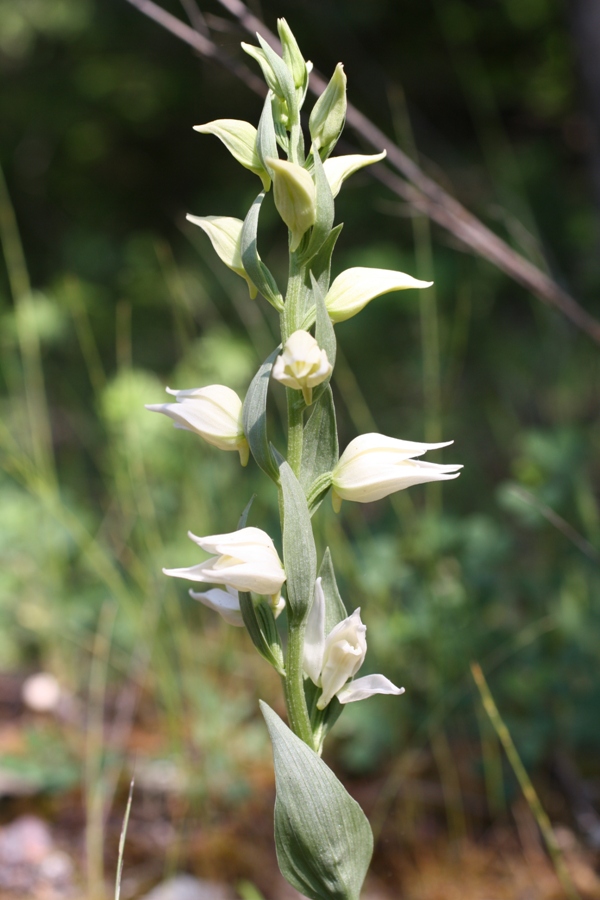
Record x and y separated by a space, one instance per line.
338 168
373 466
240 139
292 55
244 560
329 114
354 288
213 412
302 364
295 197
225 235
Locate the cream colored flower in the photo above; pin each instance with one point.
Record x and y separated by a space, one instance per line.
225 235
330 661
302 364
338 168
213 412
374 465
295 197
354 288
244 560
240 139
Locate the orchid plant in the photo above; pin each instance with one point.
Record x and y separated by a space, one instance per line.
323 839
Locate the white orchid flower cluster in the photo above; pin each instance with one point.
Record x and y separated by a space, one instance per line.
323 647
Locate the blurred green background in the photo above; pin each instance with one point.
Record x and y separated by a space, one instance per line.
115 296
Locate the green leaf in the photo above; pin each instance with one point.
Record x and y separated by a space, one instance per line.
299 553
246 512
324 331
260 625
320 450
335 611
253 265
323 839
320 267
325 211
266 142
254 418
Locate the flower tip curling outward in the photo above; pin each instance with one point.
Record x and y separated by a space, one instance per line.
330 661
213 412
302 364
373 466
243 560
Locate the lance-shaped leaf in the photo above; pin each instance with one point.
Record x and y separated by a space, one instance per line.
325 210
252 262
240 139
338 168
319 267
254 417
266 142
299 553
324 330
335 610
323 839
225 235
260 625
354 288
320 451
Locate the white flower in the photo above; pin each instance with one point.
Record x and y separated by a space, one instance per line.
373 466
330 661
226 603
244 560
354 288
213 412
302 364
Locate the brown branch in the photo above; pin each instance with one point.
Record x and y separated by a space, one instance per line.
417 188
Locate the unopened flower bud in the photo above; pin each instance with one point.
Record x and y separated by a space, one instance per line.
240 139
213 412
373 466
302 364
354 288
329 114
225 235
295 197
292 55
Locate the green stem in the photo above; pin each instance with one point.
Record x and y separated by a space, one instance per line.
295 430
295 698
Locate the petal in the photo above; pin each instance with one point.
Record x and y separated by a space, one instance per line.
226 603
365 687
244 536
314 637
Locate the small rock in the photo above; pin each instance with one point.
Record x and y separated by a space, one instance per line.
185 887
26 840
